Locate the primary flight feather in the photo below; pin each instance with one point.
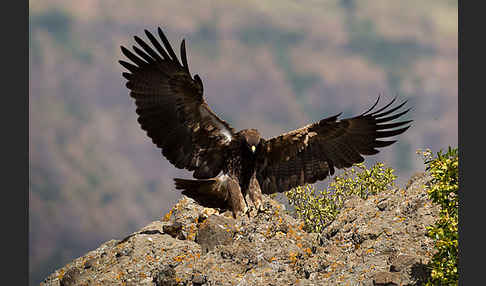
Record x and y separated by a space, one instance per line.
172 110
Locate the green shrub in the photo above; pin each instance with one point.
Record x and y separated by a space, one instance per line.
443 191
319 208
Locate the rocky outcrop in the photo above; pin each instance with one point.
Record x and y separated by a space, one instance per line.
379 241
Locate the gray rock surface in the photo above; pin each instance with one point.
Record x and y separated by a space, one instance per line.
379 241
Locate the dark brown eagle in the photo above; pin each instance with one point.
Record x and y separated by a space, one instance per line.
172 110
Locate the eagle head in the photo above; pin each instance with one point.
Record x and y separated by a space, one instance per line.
251 138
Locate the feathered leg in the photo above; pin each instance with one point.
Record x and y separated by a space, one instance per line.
255 193
236 199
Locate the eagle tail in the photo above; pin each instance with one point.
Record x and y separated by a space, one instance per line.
209 193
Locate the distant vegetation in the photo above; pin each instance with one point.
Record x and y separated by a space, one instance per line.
206 40
59 25
57 22
280 41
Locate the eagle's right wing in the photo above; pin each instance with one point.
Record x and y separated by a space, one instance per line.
172 109
311 153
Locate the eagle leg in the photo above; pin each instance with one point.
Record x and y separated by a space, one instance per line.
255 193
236 199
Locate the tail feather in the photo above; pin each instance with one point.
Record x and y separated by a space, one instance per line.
209 193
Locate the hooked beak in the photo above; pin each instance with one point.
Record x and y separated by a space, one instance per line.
253 148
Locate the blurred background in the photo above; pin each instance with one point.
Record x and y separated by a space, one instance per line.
272 65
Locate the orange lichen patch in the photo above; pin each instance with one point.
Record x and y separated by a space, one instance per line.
191 236
371 250
119 275
301 226
149 257
290 232
308 251
327 275
293 257
333 265
178 258
61 274
299 245
191 232
399 218
167 216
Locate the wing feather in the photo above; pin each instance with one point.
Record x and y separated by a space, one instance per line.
157 46
148 49
144 55
171 108
168 47
311 153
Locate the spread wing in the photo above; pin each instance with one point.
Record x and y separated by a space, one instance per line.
171 107
310 153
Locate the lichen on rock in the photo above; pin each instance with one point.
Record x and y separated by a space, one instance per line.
378 241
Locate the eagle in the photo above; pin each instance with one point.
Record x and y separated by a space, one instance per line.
232 170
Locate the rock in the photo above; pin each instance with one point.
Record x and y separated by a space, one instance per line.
174 230
401 262
215 230
70 277
382 205
386 279
166 276
369 243
198 279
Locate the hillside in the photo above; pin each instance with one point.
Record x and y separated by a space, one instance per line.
378 241
275 65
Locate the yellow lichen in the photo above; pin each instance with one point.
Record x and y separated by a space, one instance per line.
167 216
308 251
61 274
293 257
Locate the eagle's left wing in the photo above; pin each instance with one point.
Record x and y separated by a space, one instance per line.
310 153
